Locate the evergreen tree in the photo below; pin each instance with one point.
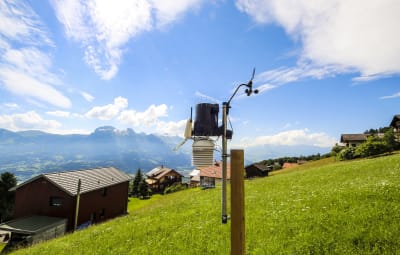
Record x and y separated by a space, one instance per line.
136 182
143 189
7 181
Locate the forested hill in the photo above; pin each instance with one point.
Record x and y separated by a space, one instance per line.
28 153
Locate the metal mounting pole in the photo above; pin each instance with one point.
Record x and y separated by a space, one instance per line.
225 110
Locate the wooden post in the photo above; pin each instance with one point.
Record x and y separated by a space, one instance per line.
78 197
237 203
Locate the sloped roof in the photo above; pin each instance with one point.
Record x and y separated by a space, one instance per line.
395 121
260 167
32 225
91 179
353 137
159 172
215 171
195 175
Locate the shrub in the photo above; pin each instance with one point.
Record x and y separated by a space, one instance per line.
372 147
336 149
347 153
175 187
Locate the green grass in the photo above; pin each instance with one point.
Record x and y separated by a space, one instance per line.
329 208
2 245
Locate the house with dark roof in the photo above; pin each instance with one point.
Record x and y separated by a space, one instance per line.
353 140
209 175
103 195
162 177
257 170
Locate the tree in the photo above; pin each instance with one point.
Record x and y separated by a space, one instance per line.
7 181
136 182
390 139
143 189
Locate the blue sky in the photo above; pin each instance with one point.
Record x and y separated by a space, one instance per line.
323 67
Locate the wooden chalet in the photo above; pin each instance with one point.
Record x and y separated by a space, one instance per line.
194 178
257 170
353 140
162 177
103 195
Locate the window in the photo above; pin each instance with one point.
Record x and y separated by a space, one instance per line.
102 213
104 192
56 201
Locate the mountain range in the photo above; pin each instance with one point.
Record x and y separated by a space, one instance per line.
28 153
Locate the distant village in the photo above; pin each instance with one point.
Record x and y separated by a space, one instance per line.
51 204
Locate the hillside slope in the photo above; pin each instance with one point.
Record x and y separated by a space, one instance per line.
337 208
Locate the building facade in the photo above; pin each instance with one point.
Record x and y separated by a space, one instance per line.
103 195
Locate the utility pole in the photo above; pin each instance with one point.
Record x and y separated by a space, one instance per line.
78 197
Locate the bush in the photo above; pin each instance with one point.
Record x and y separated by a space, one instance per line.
336 149
175 187
346 153
372 147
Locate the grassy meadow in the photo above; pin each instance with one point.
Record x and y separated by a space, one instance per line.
324 207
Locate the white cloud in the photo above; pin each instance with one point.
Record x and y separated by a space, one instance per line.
27 121
59 114
88 97
291 138
108 112
391 96
26 71
104 27
147 118
167 11
19 83
345 35
171 128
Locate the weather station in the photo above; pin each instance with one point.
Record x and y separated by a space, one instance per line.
205 133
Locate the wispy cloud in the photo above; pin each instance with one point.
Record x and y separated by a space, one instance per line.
391 96
62 114
291 138
206 97
331 42
104 27
11 105
88 97
20 23
109 111
26 70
